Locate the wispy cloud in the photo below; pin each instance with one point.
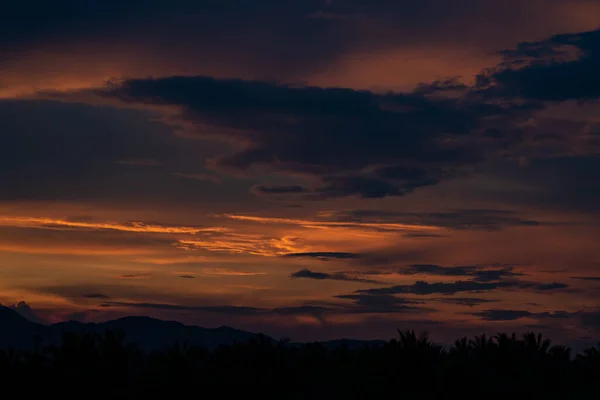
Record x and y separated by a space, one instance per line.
323 255
240 243
228 272
587 278
337 276
314 224
139 227
135 276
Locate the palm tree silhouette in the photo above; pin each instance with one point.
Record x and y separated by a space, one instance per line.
408 363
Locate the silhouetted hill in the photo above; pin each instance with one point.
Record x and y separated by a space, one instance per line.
150 333
16 330
147 333
25 310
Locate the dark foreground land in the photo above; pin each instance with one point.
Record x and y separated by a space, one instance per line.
91 365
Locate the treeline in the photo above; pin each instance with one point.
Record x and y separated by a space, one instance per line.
91 365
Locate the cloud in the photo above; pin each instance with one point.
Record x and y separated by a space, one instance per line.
322 223
330 133
378 304
557 69
323 255
134 276
587 278
466 301
511 315
338 276
426 288
187 277
95 296
228 272
478 273
138 227
461 219
361 304
551 286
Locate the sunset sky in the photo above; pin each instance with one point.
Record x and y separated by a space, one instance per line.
312 168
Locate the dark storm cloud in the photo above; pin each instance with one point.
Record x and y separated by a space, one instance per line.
426 288
134 276
561 68
477 273
337 276
551 286
464 219
332 134
381 303
511 315
348 142
466 301
587 278
358 143
95 296
323 255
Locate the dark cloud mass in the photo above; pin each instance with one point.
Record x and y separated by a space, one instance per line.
511 315
337 276
323 255
478 273
95 296
587 278
331 134
359 143
472 219
466 301
426 288
561 68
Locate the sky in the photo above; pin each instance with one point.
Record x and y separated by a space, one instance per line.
314 169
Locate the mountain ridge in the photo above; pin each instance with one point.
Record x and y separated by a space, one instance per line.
146 332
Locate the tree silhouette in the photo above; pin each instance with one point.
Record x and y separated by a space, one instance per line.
109 366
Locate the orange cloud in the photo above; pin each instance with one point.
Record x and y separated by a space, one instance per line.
329 224
141 227
228 272
245 244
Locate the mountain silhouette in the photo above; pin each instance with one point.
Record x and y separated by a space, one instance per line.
147 333
25 310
